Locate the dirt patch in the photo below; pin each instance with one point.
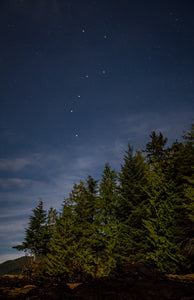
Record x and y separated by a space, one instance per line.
129 282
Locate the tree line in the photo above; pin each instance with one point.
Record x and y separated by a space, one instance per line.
144 213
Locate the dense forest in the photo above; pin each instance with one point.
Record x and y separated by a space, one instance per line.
144 213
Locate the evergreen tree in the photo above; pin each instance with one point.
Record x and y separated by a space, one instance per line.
62 247
160 222
155 148
108 191
131 206
180 170
145 215
107 222
126 180
86 226
51 216
188 229
36 238
51 219
186 179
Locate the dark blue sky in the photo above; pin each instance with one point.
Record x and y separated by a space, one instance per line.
78 80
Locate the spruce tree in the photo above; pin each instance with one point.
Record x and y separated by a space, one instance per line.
155 148
52 217
188 228
62 247
186 190
179 168
36 238
86 226
161 221
107 222
108 191
131 206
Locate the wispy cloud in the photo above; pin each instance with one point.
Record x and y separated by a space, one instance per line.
138 126
13 212
50 174
7 183
14 164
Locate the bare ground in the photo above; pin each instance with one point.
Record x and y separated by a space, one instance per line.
131 282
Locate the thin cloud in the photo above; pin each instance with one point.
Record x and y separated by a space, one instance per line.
60 169
14 164
7 183
139 126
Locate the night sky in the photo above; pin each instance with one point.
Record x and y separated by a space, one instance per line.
78 81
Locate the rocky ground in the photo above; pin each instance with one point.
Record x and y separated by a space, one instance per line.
131 282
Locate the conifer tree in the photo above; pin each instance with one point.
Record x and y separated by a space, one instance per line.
83 199
155 148
86 221
107 222
180 170
160 222
188 229
186 190
108 191
36 238
62 247
131 206
51 220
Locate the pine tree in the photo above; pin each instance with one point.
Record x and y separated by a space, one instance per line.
36 238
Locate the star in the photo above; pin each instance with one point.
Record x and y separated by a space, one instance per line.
78 96
105 36
104 72
86 76
71 110
76 135
83 30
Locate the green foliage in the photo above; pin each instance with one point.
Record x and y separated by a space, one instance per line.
160 223
145 214
131 206
186 226
106 220
36 238
155 148
62 247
